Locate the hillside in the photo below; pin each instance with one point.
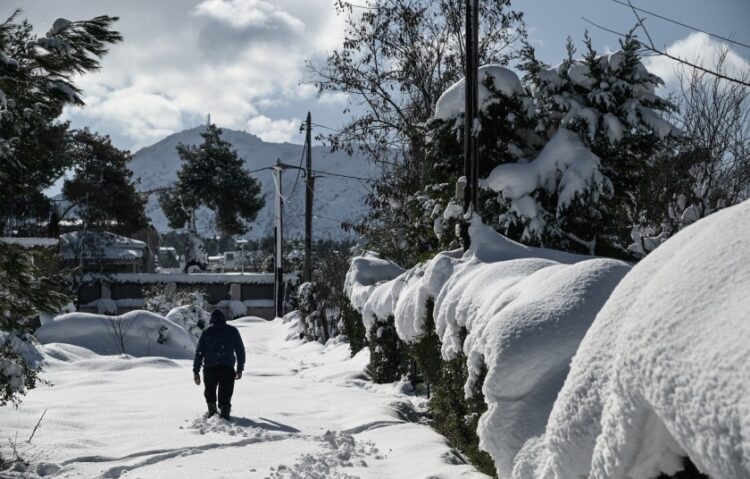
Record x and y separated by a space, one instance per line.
336 199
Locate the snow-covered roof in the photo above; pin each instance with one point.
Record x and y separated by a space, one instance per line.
28 242
100 245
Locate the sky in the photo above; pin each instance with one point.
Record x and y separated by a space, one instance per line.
243 61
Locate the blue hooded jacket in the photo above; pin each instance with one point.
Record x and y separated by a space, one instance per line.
219 344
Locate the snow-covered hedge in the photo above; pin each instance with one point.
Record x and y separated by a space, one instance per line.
524 311
662 373
137 333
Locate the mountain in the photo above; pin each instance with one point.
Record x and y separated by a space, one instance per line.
336 199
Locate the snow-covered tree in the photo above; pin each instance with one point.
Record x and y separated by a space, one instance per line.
36 82
604 125
101 191
212 175
396 59
26 290
506 124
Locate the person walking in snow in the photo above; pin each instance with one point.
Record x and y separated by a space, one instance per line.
217 347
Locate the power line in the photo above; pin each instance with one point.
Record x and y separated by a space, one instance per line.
620 2
328 173
672 57
326 127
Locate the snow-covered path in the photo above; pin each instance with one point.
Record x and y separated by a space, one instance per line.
301 410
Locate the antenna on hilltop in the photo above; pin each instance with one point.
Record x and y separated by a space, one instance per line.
208 120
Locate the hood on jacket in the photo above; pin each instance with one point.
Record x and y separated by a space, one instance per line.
217 317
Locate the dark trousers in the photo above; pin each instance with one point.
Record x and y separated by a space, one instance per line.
223 377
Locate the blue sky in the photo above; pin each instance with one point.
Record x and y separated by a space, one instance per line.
551 21
243 60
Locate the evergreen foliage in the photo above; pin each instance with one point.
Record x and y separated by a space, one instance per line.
609 101
388 354
102 190
36 82
352 327
453 415
25 291
212 175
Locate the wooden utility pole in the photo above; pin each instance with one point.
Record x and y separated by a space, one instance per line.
471 156
309 189
278 289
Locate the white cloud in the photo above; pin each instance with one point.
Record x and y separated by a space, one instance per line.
699 49
242 61
248 13
277 131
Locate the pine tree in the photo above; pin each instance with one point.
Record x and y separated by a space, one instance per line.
212 175
25 291
604 126
101 190
36 82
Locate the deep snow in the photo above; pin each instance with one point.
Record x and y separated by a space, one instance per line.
662 372
518 311
302 410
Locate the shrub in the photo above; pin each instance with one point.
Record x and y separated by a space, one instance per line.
351 325
453 416
162 298
388 354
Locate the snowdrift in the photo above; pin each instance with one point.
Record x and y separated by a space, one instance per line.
662 373
137 333
525 311
364 275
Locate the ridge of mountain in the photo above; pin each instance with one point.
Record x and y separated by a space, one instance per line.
336 199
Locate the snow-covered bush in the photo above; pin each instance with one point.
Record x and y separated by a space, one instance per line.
659 375
310 321
26 291
137 333
351 326
191 318
162 298
388 356
184 307
237 309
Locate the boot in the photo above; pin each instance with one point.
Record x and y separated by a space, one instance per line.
225 411
211 409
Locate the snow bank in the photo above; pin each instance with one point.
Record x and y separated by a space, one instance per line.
365 272
451 103
525 311
661 373
137 333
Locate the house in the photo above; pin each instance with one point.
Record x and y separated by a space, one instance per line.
104 252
